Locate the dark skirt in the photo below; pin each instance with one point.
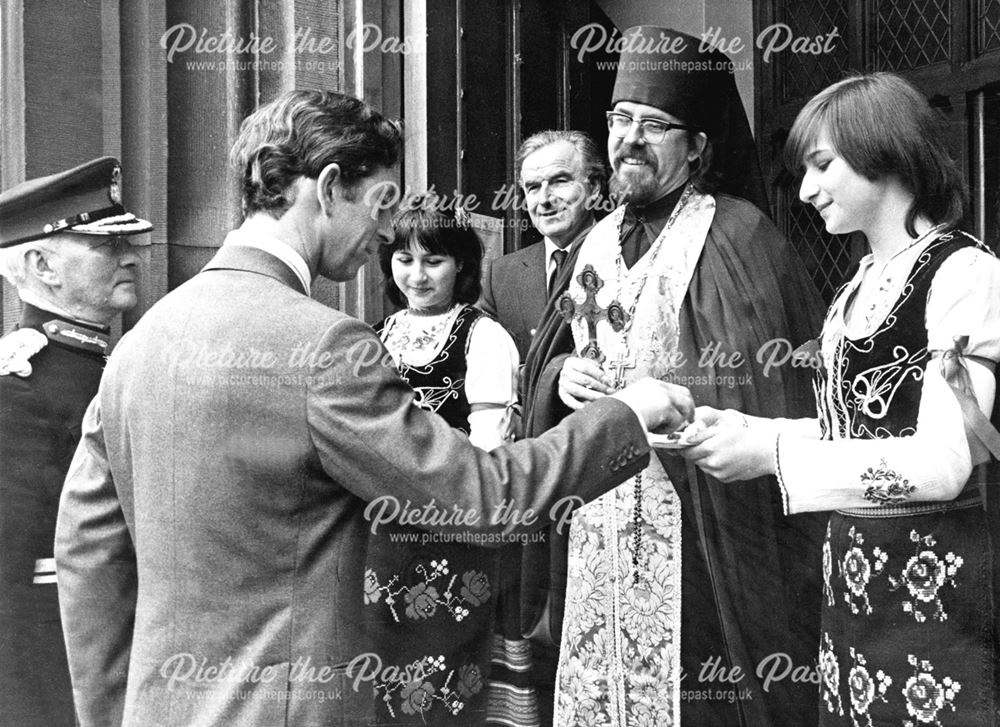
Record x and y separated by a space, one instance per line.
428 615
909 621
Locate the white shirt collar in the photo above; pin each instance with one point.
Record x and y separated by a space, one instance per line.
551 247
275 247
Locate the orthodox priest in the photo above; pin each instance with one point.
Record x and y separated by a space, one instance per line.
683 599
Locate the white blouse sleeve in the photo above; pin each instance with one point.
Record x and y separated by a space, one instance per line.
490 380
934 463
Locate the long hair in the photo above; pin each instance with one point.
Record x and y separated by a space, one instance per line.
425 221
300 133
882 126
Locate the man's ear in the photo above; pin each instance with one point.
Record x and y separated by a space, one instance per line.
38 265
697 146
595 193
329 187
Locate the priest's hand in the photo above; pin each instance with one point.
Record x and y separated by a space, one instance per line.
660 406
582 380
732 447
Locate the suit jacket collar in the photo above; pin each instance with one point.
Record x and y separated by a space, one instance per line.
254 260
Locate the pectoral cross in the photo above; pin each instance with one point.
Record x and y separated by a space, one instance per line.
624 361
591 312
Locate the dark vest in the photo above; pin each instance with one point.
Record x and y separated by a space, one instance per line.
439 385
877 379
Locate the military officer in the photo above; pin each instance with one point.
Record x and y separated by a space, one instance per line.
66 249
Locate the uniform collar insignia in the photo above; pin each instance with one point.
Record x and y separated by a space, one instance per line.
75 336
16 350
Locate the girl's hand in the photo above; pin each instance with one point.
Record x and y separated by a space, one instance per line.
731 448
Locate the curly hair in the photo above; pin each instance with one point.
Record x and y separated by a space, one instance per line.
882 126
425 220
300 133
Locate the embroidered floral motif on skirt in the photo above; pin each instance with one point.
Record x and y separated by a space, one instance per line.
908 633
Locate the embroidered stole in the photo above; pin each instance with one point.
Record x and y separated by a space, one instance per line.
620 651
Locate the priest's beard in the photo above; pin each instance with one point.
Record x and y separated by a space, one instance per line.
644 184
641 186
637 190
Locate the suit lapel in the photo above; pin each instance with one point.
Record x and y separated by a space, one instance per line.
254 260
532 283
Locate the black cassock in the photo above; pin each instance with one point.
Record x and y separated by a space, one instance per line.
751 576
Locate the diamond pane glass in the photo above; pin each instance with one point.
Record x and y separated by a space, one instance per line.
801 75
909 34
987 25
827 257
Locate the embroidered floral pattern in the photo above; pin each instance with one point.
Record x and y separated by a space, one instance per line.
856 571
885 486
418 691
925 696
470 680
421 601
828 569
829 671
417 697
372 592
619 638
864 690
924 575
424 598
475 588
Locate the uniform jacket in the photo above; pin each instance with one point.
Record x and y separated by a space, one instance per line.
43 395
212 528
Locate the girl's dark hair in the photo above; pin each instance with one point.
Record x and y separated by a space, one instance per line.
300 133
882 126
427 221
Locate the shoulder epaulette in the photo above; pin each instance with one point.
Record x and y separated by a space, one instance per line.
17 348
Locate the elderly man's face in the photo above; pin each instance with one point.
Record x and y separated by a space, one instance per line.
557 192
644 172
96 275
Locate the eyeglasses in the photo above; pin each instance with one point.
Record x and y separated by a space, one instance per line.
653 130
115 244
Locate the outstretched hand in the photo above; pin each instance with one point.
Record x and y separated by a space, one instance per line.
730 448
661 406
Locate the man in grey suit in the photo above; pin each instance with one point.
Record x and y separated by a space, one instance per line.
563 176
215 517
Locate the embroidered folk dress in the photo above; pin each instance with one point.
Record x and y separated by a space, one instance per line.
430 601
909 612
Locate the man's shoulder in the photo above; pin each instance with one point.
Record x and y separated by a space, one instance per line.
525 254
739 218
729 207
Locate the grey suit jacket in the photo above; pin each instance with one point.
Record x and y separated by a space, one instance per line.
514 292
212 528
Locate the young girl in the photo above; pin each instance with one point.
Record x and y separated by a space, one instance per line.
904 392
431 599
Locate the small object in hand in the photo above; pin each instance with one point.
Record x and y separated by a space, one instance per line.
678 439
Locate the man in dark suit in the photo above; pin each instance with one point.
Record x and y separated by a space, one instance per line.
214 521
65 250
563 175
